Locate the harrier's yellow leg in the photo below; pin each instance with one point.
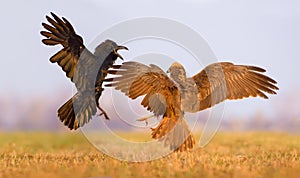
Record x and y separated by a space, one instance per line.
146 118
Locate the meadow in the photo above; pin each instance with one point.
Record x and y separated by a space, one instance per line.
229 154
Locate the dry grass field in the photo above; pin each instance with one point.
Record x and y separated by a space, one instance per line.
251 154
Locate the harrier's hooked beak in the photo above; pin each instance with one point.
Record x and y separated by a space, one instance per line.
116 51
168 71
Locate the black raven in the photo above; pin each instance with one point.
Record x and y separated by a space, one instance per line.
85 69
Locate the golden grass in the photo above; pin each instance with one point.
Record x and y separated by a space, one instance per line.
254 154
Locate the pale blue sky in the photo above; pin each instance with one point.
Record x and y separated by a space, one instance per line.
264 33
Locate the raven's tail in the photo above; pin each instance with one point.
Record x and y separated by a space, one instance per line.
175 133
78 110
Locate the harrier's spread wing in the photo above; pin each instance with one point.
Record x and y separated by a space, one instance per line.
162 98
136 79
224 80
60 31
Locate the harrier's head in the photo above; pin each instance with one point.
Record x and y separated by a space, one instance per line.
109 47
177 72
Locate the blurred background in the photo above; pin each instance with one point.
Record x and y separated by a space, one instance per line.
263 33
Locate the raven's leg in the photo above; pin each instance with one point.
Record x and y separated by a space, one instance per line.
103 112
98 91
146 118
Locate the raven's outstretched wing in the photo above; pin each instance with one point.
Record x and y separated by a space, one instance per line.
60 31
76 61
220 81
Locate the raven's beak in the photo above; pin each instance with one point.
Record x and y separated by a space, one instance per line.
118 48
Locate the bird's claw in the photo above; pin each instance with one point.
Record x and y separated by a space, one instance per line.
144 119
103 113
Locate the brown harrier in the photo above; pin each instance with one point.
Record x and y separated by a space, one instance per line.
172 96
84 68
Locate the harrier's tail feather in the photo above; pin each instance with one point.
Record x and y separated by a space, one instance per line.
78 110
175 134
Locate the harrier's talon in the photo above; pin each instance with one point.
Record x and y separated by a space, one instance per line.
145 119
